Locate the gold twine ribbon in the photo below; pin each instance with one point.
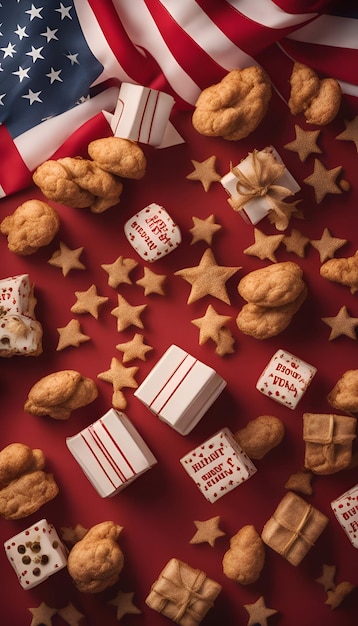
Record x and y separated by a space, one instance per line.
17 327
261 183
192 593
296 531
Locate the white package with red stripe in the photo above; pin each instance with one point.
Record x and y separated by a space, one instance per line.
111 453
152 232
180 389
218 465
36 553
15 295
257 207
141 114
345 509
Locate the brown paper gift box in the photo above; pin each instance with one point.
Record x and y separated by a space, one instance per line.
293 528
182 593
328 441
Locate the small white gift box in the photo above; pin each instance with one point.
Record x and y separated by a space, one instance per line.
141 114
152 233
258 208
36 553
15 295
218 465
111 453
286 378
180 389
345 509
20 335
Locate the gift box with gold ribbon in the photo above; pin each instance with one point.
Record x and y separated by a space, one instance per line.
328 439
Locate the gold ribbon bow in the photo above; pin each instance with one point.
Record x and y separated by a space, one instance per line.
261 182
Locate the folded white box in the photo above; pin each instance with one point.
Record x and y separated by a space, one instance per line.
152 233
111 453
180 389
286 378
257 208
345 509
218 465
36 553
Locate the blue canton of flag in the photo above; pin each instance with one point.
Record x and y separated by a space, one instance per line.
46 66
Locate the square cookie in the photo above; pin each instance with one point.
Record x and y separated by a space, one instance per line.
180 389
111 453
218 465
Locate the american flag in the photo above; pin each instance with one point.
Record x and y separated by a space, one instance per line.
61 63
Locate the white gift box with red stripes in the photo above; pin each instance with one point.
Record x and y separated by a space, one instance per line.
180 389
141 114
111 453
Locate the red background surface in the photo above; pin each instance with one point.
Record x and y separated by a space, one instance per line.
158 509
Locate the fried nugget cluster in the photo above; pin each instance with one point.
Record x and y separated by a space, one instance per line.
93 183
95 562
24 486
318 99
273 295
60 393
33 225
234 107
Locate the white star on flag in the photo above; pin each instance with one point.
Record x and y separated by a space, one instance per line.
35 54
34 12
54 75
22 72
33 96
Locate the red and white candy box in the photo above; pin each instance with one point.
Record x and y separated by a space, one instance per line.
15 295
218 465
111 453
152 233
141 114
345 509
180 389
36 553
286 378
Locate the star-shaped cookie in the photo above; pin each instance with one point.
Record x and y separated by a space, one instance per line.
207 278
127 314
327 578
205 172
336 596
323 181
342 324
210 325
152 282
296 242
300 481
72 535
327 245
305 143
351 131
88 302
42 615
67 259
204 230
258 612
118 271
265 246
134 349
207 531
71 335
124 603
119 377
70 614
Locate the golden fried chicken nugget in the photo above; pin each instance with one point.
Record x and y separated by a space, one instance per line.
273 285
32 226
121 157
244 561
318 99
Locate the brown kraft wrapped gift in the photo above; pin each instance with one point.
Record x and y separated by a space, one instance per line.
293 528
182 593
328 441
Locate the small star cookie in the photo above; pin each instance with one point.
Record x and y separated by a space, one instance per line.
152 282
336 597
207 278
258 612
341 324
225 342
351 131
205 172
265 246
327 245
296 242
134 349
327 578
71 335
67 259
88 302
323 181
128 314
118 271
210 325
42 615
204 230
124 604
119 377
305 143
207 531
70 614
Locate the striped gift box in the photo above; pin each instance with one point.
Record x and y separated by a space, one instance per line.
111 453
